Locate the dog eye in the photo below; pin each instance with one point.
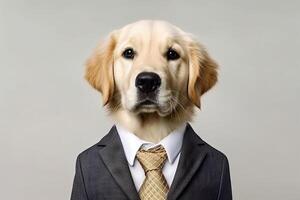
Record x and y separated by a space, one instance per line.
172 54
128 53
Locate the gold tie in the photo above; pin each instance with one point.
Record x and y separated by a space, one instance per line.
155 186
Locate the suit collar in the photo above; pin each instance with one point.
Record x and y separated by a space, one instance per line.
192 156
130 142
113 156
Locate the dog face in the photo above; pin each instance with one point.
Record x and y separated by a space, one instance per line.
151 67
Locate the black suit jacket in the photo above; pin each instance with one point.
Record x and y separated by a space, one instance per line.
102 172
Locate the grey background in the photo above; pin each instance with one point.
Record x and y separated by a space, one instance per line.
49 114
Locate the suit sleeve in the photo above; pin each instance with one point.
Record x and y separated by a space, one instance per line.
225 192
78 190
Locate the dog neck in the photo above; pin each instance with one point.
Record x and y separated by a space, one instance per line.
150 126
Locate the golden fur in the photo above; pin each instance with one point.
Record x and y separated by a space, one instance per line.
183 81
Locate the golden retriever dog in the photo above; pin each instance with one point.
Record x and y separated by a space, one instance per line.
151 75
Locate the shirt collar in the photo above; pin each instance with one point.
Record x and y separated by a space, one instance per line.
131 143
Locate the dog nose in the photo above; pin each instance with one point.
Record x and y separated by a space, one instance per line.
147 82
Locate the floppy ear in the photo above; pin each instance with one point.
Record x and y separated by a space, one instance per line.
202 72
99 68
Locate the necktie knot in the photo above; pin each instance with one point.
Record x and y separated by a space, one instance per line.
152 159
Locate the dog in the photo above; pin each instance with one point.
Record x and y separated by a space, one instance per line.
151 75
178 67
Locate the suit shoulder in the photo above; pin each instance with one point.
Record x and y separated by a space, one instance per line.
215 154
89 150
88 154
93 150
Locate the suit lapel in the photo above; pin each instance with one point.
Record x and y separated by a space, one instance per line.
114 158
192 156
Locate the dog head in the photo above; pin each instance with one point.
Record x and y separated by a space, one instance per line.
151 67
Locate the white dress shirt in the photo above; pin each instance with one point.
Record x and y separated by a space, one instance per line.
131 144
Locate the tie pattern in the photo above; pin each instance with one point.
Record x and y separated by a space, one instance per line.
155 186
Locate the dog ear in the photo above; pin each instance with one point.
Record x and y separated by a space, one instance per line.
99 68
202 72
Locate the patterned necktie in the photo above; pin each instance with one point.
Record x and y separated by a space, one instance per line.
155 186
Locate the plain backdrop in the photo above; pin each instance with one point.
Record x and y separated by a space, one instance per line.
49 114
